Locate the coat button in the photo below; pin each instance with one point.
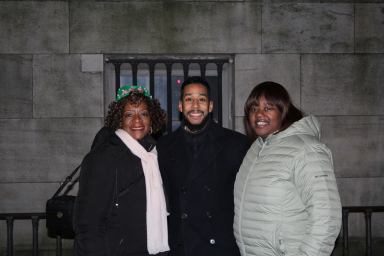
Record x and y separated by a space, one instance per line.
207 188
212 241
184 216
183 190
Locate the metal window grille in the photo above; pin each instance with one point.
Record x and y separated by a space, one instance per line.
174 71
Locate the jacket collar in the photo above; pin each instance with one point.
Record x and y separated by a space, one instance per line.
306 126
147 142
211 149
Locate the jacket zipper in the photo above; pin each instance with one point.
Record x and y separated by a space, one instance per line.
116 195
242 199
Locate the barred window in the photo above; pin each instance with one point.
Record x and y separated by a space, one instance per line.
163 76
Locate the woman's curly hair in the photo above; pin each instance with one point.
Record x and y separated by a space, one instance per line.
114 117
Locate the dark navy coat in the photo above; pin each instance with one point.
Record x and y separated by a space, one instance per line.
200 192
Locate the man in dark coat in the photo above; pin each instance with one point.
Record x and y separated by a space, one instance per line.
199 162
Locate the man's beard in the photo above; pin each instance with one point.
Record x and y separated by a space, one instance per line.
196 128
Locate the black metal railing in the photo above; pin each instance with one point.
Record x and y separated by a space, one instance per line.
35 217
367 210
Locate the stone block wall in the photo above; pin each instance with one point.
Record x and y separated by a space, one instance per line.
329 55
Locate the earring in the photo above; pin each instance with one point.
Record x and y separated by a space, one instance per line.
150 130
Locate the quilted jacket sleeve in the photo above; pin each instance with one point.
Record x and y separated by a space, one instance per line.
316 184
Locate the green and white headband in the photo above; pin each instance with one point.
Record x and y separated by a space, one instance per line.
125 90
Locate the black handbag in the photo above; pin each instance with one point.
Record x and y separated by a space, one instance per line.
59 210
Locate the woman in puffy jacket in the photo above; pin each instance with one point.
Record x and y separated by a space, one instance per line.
286 197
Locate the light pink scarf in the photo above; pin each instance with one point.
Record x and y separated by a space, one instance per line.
157 230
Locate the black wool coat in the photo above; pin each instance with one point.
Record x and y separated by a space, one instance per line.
200 191
110 209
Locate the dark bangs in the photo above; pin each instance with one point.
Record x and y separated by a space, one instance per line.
273 92
276 95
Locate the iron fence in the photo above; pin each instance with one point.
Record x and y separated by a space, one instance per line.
36 217
367 210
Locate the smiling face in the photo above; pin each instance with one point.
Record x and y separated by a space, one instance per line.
195 104
136 120
264 118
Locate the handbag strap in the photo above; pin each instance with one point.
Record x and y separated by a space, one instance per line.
66 181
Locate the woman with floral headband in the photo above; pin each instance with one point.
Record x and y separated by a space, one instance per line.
120 208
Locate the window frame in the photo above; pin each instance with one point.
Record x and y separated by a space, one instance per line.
224 73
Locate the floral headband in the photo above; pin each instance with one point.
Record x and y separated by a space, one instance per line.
125 90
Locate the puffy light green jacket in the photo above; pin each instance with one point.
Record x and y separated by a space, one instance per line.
286 197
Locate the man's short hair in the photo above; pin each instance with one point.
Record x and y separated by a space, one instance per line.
195 80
